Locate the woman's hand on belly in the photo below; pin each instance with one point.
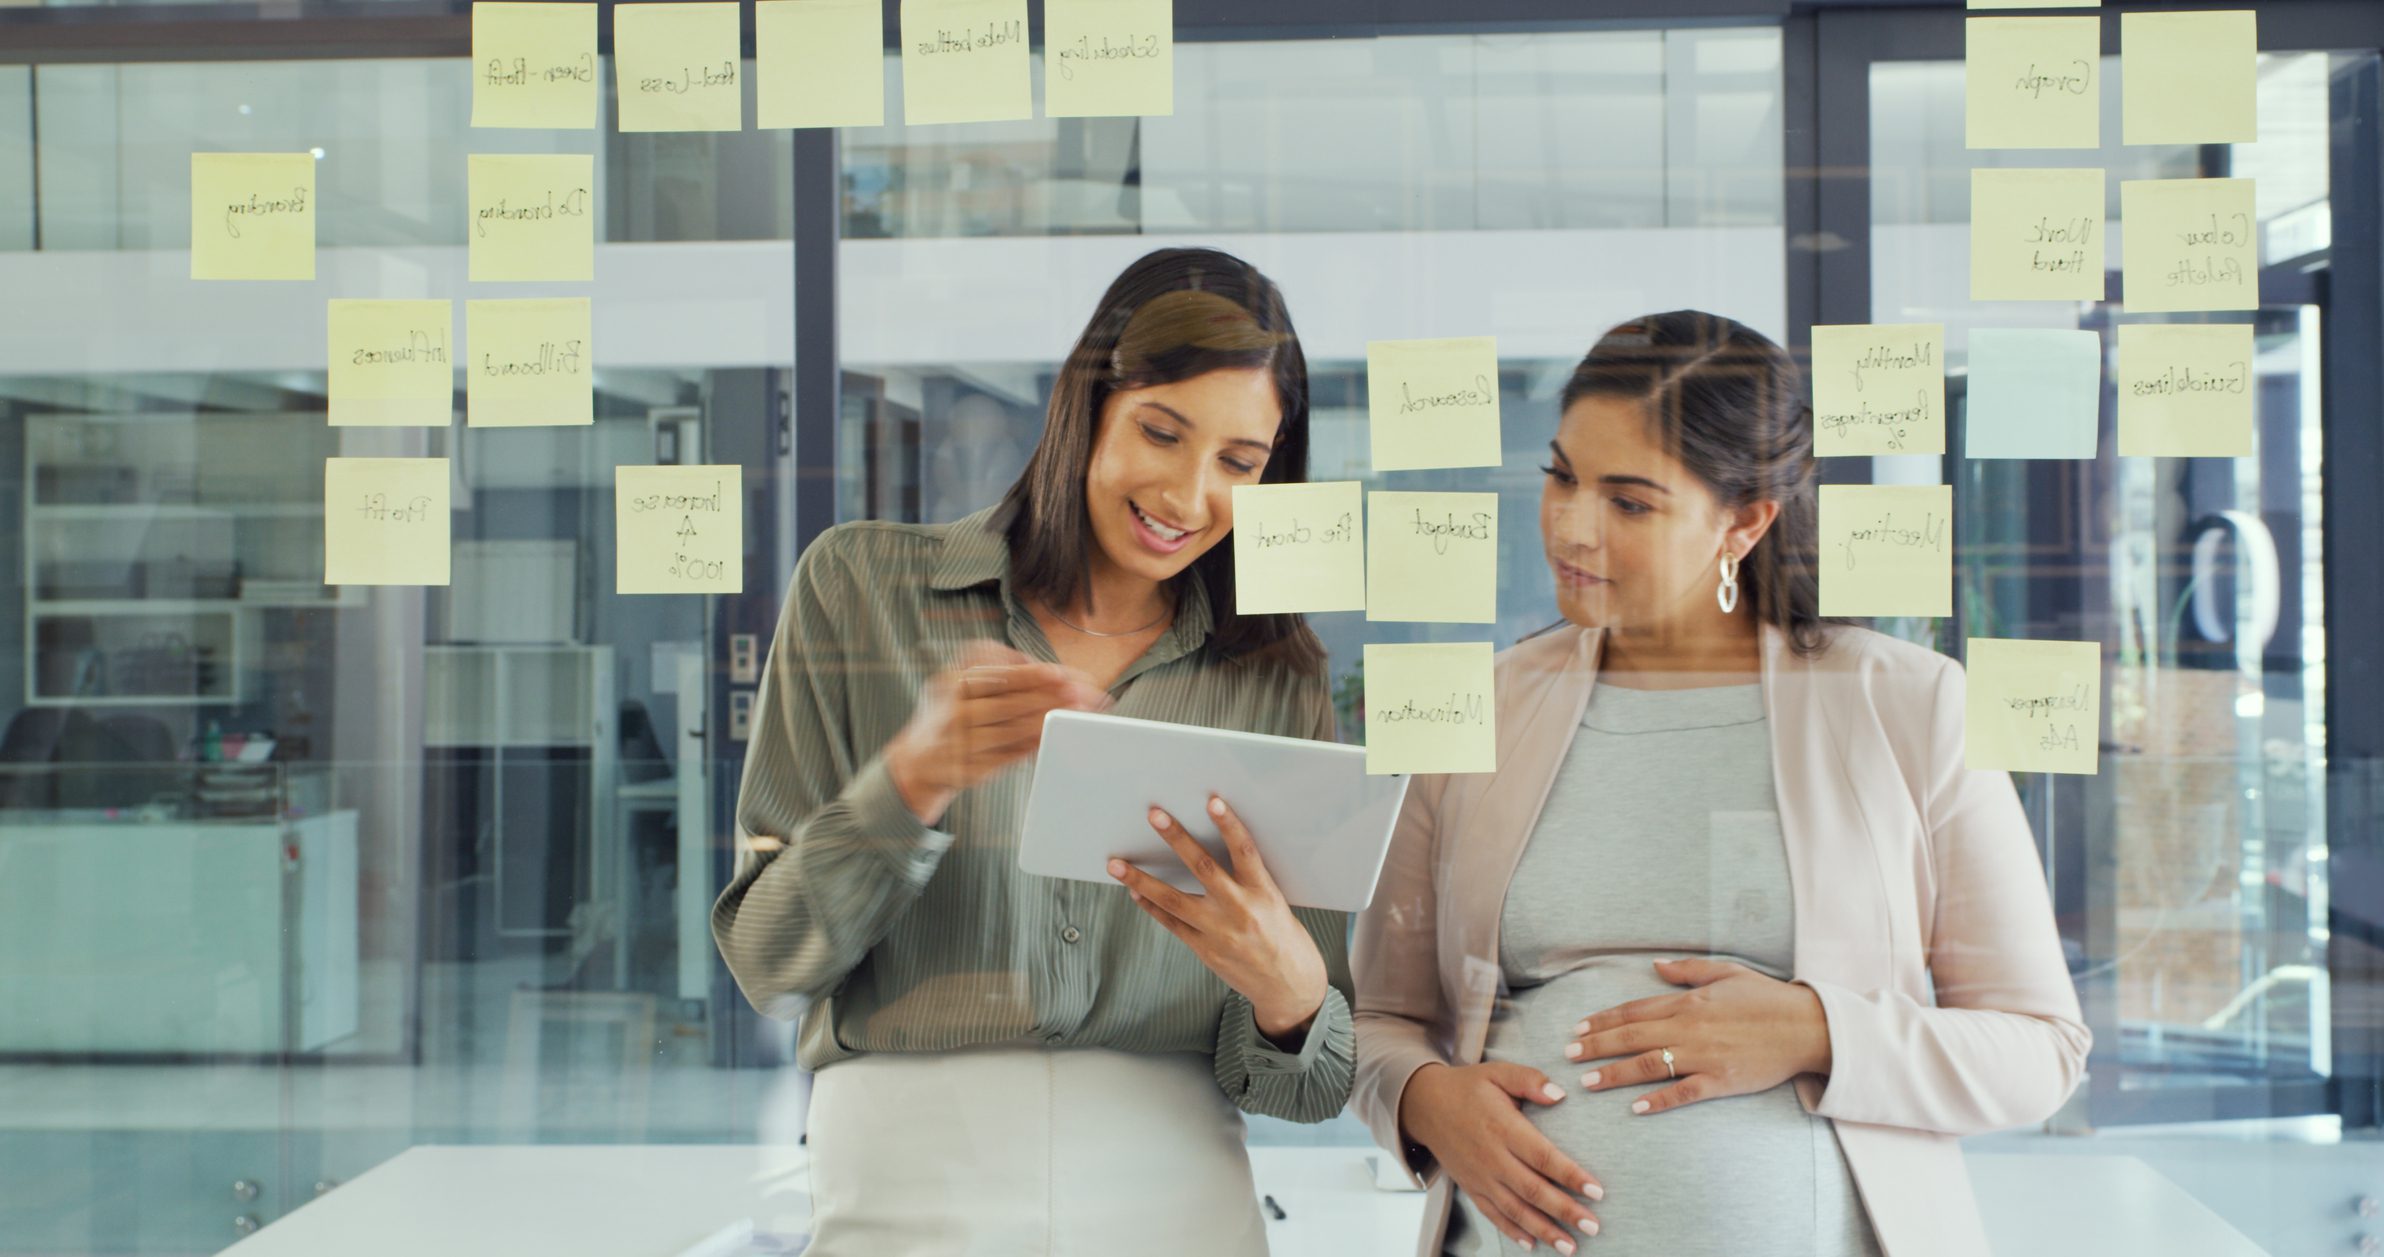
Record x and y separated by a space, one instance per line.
1733 1032
1471 1119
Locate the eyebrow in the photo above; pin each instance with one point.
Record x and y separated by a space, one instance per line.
1639 481
1186 420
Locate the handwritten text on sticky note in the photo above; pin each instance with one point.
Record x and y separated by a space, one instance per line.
252 216
2189 244
2032 706
391 363
2034 393
819 63
1887 549
2189 78
1879 388
965 61
532 216
2033 82
1432 556
529 363
1299 547
677 67
2186 390
2036 235
1108 58
385 521
1433 403
679 530
534 65
1430 708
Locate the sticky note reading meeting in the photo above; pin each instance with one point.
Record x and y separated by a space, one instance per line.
1887 550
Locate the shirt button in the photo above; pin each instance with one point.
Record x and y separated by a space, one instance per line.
1072 934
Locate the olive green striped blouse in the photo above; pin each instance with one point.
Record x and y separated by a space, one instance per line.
905 938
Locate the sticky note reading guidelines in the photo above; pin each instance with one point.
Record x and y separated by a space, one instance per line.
2185 390
2032 706
2036 235
2189 78
2032 82
2188 244
1887 549
965 61
385 521
534 65
679 530
677 67
252 216
1433 403
1430 708
2034 393
391 363
1879 388
532 218
1299 547
1108 58
529 363
1432 556
819 63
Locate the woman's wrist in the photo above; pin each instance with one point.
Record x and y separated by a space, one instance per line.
925 801
1281 1026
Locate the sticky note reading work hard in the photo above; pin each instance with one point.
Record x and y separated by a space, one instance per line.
1299 547
2033 82
677 67
534 65
532 217
2036 235
2189 244
1433 403
1431 708
252 216
1887 549
529 363
819 63
1108 58
392 363
965 61
2189 78
1879 388
385 521
679 530
2034 393
2185 390
2033 706
1432 556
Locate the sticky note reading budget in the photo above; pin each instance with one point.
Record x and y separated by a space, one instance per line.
391 363
2033 82
1879 388
252 216
385 521
677 67
2189 244
2032 706
1887 549
2189 78
965 61
1108 58
529 363
1431 708
532 217
1432 556
1433 403
819 63
1299 547
2036 235
534 65
2034 393
679 530
2185 390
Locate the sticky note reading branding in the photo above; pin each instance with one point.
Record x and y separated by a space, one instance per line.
2185 390
965 61
676 67
252 216
1433 403
1430 708
1879 388
1108 58
392 363
2189 78
2189 244
2036 235
819 63
2032 707
2034 393
1299 547
532 218
1432 556
679 530
385 521
1887 549
529 363
534 65
2033 82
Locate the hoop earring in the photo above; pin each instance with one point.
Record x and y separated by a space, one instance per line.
1727 595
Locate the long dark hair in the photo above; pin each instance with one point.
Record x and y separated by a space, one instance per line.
1173 315
1728 403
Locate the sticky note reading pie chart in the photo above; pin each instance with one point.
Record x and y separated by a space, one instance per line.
2036 235
678 67
2033 82
392 363
534 65
679 530
1887 549
2033 706
1878 388
1433 403
1430 708
819 63
252 216
385 521
2186 390
529 363
2189 244
1432 556
965 61
532 217
1299 547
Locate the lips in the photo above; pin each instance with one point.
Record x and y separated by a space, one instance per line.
1157 534
1568 574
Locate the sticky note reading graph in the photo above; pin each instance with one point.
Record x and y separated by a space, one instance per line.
819 63
1432 556
1433 403
392 363
2188 244
2036 235
965 61
532 217
679 530
1299 547
1887 549
385 521
1431 708
1879 388
677 67
528 363
252 216
2033 82
2032 707
2185 390
2189 78
534 65
1108 58
2034 393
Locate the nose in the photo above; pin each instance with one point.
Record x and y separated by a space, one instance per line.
1575 526
1186 501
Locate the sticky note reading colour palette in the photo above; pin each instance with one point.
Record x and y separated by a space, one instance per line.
1879 388
1299 547
534 65
677 67
1433 403
392 363
965 61
252 216
679 530
2036 235
2033 706
1108 58
1432 556
1887 549
819 63
2186 390
529 363
2189 244
2033 82
532 217
385 521
1431 708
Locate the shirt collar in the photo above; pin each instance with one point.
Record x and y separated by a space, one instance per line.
976 552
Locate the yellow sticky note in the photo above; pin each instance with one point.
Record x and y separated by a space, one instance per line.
2189 244
2036 235
1879 388
819 63
252 216
2033 82
1299 547
1433 403
1432 556
529 363
2186 390
1431 708
1108 58
532 217
392 364
677 67
965 61
534 65
679 530
2189 78
1887 549
2032 706
385 521
2036 4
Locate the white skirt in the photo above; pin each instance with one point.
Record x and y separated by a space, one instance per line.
1008 1152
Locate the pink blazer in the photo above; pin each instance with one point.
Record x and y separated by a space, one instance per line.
1921 919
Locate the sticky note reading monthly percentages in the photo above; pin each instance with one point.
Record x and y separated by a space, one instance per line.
1299 547
2034 393
528 363
2185 390
2033 706
965 61
2033 82
1433 403
1879 388
532 217
1887 549
1430 708
1108 58
819 63
2036 235
679 530
2189 244
534 65
2189 78
677 67
392 363
385 521
1432 556
252 216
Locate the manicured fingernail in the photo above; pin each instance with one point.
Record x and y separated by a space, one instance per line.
1572 1051
1553 1092
1590 1079
1527 1245
1638 1106
1581 1030
1565 1247
1594 1192
1589 1226
1158 819
1117 868
1216 806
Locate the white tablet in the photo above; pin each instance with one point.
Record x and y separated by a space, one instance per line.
1321 823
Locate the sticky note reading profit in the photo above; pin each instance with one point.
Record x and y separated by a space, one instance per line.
965 61
1887 549
1432 556
2034 393
1299 547
1431 708
2189 244
1433 403
532 217
1108 58
2036 235
819 63
2185 390
385 521
679 530
2033 82
2189 78
392 363
2032 706
1879 388
529 363
252 216
677 66
534 65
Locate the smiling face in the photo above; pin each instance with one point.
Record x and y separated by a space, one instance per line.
1166 458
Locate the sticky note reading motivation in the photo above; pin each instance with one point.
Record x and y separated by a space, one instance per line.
1433 403
965 61
391 363
532 217
252 216
1887 549
2036 235
529 363
2189 78
1879 388
1430 708
2032 82
1108 58
2185 390
2034 393
819 63
2032 707
2189 244
385 521
1299 547
1432 556
679 530
534 65
677 67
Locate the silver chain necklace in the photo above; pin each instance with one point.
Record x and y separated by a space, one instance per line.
1055 614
